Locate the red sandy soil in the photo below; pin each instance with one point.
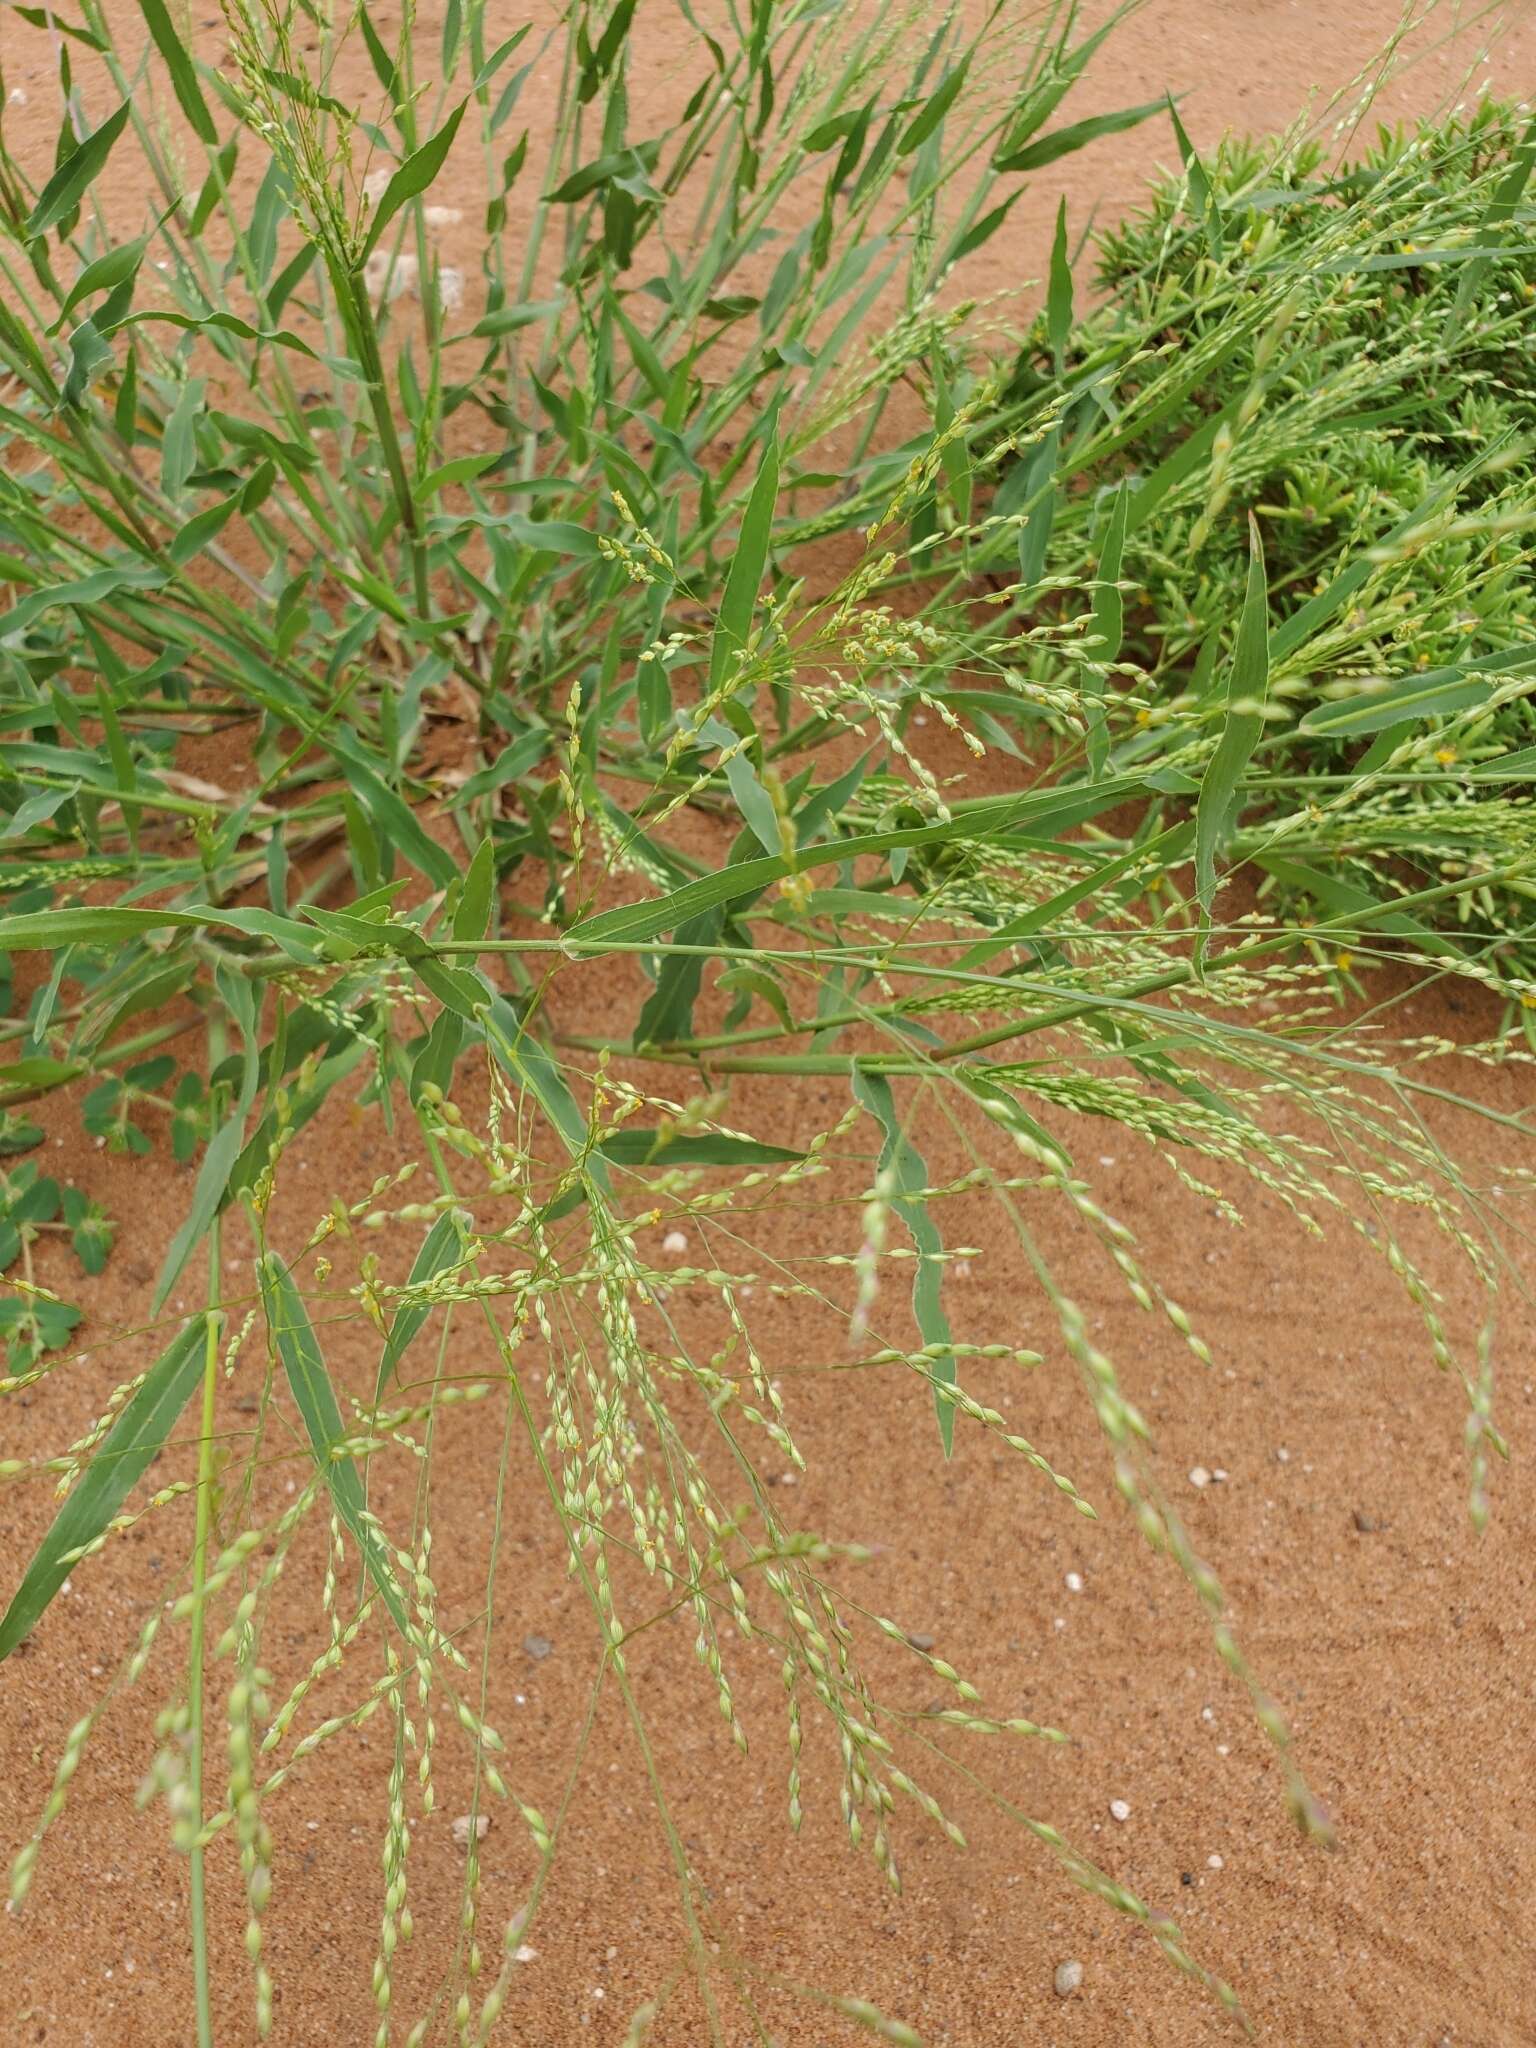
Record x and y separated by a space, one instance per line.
1395 1639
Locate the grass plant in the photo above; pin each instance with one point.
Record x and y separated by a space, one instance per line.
391 656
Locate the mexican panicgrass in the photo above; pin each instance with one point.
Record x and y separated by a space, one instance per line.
522 680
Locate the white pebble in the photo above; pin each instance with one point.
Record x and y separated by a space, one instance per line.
481 1824
450 288
1282 1456
524 1954
675 1243
1120 1809
1074 1582
1214 1863
1207 1713
1068 1978
1198 1476
1220 1476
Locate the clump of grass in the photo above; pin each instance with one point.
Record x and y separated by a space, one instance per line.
505 717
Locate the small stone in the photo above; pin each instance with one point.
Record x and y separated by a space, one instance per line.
537 1647
1074 1582
1214 1863
1219 1474
524 1954
1366 1524
1068 1978
920 1639
1120 1809
674 1243
478 1824
1282 1456
1186 1877
1198 1476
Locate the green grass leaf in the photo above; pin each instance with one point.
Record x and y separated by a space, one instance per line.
70 182
141 1431
1458 686
903 1165
413 178
178 61
1058 297
1063 141
1247 687
1108 628
932 114
442 1249
668 1147
629 922
749 560
303 1362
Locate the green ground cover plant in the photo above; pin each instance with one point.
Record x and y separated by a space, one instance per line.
1350 363
379 667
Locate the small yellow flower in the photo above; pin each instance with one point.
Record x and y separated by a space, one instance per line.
1445 756
1343 962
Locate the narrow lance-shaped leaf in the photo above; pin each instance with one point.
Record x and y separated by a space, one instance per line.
1221 785
1063 141
928 119
634 1147
178 61
738 602
240 997
1058 297
1199 184
1108 629
412 178
1049 809
903 1165
442 1248
304 1364
70 182
139 1433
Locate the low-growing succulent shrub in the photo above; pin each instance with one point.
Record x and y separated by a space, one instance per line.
1342 350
